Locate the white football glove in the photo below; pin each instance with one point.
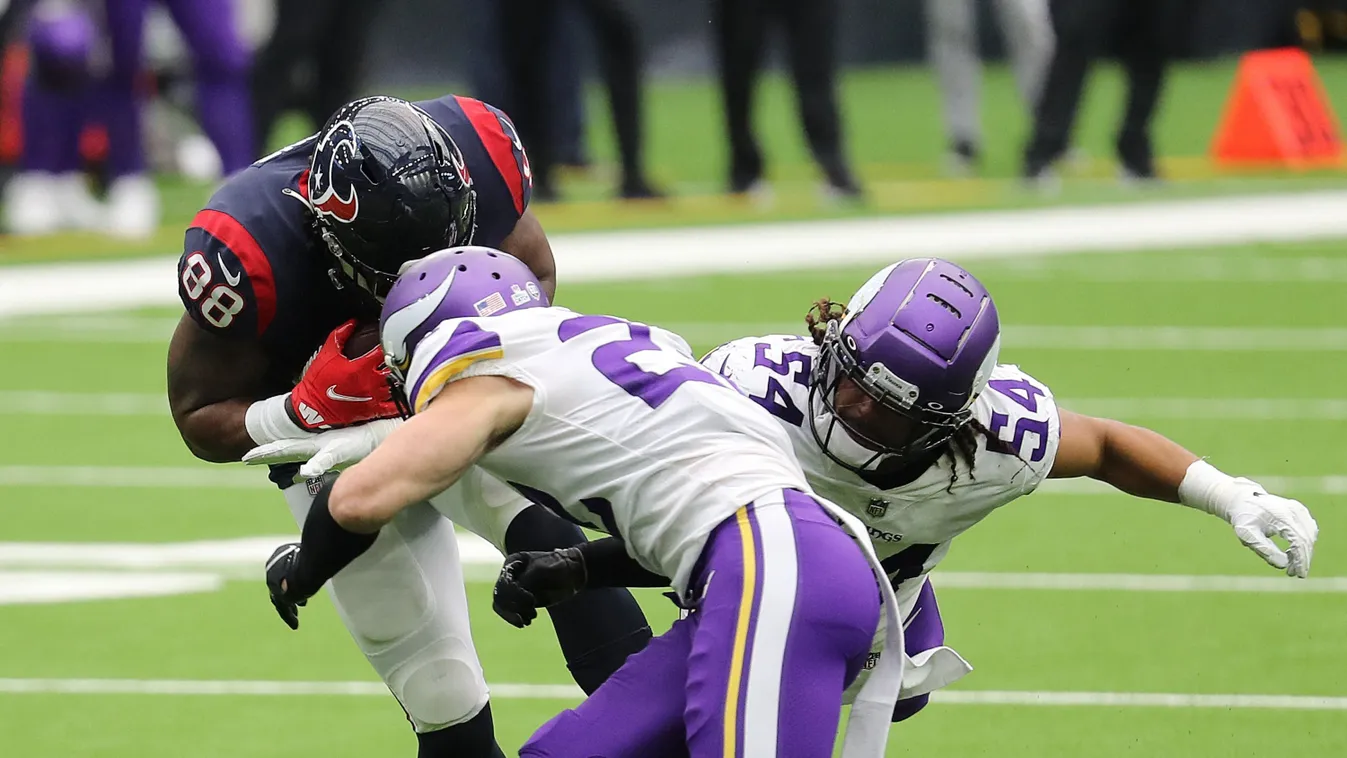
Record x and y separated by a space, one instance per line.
325 451
1256 516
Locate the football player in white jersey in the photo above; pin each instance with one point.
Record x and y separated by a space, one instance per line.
900 413
616 426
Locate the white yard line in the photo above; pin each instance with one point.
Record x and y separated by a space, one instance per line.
239 477
981 580
84 404
84 287
241 558
511 691
182 477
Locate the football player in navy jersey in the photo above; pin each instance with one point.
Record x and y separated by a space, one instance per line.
289 256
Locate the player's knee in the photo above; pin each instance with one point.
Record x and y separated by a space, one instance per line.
906 709
440 693
536 528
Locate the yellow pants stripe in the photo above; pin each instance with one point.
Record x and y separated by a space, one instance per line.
740 634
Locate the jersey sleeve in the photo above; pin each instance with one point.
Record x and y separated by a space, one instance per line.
224 279
502 143
1022 413
445 354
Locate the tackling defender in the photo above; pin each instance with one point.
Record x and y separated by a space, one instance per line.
285 256
615 426
899 412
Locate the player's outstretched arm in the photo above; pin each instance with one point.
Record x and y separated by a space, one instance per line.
1147 464
528 242
431 451
212 380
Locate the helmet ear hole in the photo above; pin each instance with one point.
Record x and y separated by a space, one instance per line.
495 275
461 267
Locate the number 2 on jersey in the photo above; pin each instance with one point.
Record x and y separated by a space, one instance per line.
613 360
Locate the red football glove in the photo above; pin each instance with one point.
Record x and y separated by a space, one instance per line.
337 391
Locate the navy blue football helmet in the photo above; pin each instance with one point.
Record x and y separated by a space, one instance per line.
387 185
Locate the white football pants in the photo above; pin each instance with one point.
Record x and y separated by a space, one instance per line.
404 601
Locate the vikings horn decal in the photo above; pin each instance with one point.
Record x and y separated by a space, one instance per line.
335 150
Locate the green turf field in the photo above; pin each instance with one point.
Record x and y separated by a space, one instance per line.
893 132
80 405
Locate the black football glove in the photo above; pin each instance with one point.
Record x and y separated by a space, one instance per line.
534 580
279 566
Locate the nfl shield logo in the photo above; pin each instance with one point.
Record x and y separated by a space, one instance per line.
877 507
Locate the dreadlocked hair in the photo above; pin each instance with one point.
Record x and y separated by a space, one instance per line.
962 445
821 313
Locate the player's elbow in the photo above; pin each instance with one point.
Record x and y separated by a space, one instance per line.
354 506
200 437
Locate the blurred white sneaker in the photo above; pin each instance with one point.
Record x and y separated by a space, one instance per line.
31 205
133 208
78 207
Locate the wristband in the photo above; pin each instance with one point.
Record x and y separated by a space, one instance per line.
269 421
1207 489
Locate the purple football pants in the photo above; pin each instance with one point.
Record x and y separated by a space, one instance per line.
219 63
923 629
786 613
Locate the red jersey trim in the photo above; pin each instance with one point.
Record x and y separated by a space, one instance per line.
231 233
498 145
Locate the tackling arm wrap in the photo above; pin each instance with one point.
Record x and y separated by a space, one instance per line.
325 548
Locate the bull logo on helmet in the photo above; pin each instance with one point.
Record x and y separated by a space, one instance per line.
335 151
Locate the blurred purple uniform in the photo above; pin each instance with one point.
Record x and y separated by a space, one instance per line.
54 106
786 611
219 63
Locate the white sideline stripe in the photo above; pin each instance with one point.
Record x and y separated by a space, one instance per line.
243 557
511 691
85 287
239 477
1215 409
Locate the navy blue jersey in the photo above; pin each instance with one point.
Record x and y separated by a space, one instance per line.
252 266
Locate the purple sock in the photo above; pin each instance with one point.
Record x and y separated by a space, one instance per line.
220 64
51 126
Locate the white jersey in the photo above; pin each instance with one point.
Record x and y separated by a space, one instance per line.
910 526
628 433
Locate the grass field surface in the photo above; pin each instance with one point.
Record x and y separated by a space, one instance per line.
1099 625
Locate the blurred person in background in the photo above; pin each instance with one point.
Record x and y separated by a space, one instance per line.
565 88
50 192
527 33
313 60
952 36
220 64
811 41
1149 31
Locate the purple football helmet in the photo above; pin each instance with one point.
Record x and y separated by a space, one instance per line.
920 340
460 282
